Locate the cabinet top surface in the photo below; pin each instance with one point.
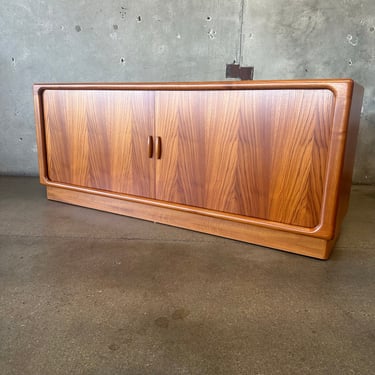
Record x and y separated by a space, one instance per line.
331 84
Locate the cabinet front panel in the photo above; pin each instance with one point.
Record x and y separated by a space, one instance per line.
98 139
258 153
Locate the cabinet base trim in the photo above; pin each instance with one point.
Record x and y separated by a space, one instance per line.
269 237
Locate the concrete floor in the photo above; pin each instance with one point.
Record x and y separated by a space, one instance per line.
87 292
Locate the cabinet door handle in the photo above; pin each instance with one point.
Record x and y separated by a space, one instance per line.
150 145
158 147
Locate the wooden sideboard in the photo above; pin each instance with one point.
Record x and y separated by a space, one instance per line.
266 162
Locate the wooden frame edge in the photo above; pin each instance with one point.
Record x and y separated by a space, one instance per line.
330 84
268 237
187 209
40 133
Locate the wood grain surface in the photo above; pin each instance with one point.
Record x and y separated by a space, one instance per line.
255 153
99 139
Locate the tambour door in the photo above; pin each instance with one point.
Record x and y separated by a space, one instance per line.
258 153
98 139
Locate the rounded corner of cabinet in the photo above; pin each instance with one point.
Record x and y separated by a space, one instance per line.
39 90
324 230
44 179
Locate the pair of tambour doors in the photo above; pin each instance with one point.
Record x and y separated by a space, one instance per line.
256 153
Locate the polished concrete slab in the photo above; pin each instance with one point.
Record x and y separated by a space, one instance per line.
87 292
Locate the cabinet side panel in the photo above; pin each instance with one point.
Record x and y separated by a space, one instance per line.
350 147
98 139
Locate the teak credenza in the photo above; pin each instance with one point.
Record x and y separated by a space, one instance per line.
266 162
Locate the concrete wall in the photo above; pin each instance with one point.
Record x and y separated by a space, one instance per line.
161 40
